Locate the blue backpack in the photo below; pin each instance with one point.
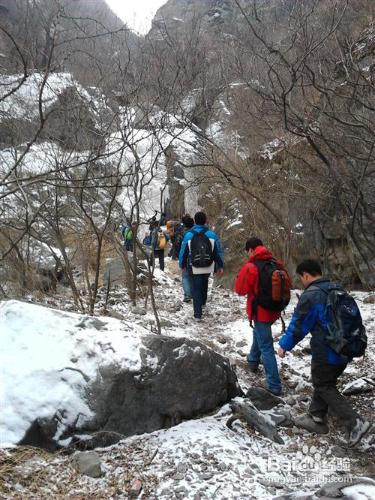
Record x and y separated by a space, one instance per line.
147 240
346 332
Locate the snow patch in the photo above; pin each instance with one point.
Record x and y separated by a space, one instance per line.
47 358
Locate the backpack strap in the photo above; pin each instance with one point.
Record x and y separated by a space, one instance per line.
259 264
317 287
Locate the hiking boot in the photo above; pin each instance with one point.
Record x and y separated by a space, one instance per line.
359 430
187 299
264 385
308 423
253 367
198 319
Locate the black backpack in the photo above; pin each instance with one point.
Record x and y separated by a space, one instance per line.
274 286
346 332
201 249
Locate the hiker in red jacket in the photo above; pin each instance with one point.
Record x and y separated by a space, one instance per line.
255 280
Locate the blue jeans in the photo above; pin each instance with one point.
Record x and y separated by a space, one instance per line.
187 284
263 346
199 292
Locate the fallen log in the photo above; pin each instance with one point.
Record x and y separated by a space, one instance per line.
245 410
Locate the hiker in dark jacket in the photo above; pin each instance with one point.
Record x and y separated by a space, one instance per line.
187 273
326 365
176 232
247 283
200 275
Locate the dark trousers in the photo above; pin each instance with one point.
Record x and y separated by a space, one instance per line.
128 245
160 255
326 396
199 292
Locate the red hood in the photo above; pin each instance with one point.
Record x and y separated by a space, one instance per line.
261 253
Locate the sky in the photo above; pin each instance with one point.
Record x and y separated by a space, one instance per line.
137 14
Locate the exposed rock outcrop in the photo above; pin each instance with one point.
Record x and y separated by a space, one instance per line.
178 379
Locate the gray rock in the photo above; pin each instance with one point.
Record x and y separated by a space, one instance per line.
40 434
175 307
165 323
178 379
303 398
180 489
179 476
262 399
276 418
222 340
290 400
115 314
206 476
359 386
247 411
334 490
331 490
243 354
305 422
270 483
139 311
288 416
241 343
182 467
339 452
369 300
185 378
88 463
295 496
92 322
166 493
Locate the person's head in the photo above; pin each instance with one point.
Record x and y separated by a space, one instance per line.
188 221
200 218
251 244
308 271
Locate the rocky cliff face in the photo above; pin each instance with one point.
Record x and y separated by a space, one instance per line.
81 40
261 147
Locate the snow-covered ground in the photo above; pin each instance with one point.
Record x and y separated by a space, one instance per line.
20 97
197 459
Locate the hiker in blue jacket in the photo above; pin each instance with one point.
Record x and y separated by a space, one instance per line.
326 365
202 248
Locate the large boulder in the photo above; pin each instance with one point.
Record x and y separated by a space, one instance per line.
179 379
